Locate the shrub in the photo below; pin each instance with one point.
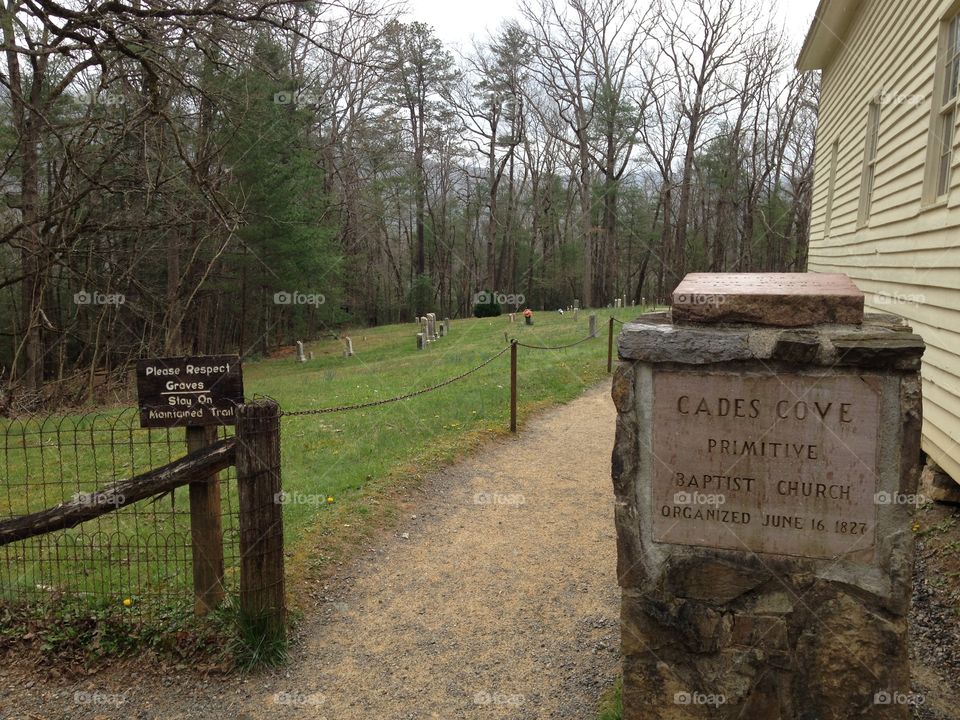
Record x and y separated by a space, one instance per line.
486 305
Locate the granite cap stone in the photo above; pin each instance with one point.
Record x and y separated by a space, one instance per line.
781 299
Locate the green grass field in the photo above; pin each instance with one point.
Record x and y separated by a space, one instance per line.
365 460
339 454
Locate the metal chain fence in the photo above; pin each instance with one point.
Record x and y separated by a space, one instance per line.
406 396
134 563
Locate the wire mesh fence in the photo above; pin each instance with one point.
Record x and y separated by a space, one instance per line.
136 562
133 563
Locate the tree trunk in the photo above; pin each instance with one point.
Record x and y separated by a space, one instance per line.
27 127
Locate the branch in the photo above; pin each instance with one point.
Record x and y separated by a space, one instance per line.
194 466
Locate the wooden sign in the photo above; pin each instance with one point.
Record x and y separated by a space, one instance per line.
189 391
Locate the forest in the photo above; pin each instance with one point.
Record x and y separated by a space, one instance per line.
205 176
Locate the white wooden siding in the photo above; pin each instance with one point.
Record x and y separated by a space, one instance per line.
907 257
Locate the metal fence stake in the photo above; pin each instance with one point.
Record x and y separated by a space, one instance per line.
513 386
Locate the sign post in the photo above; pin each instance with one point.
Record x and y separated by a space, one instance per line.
198 393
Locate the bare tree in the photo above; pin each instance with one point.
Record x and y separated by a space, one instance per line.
702 39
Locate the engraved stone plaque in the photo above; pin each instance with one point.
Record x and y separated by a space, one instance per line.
783 464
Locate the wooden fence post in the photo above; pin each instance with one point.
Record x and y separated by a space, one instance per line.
610 346
262 603
206 529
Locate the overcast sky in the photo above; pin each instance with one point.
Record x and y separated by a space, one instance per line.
457 20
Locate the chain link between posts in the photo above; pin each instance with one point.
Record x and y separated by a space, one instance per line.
423 391
554 347
407 396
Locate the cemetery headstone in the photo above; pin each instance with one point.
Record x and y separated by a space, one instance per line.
592 327
347 347
300 356
761 472
421 341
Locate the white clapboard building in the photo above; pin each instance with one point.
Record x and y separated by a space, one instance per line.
886 197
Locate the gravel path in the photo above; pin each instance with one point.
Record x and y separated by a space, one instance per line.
498 599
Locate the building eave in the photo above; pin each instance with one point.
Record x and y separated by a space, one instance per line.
827 33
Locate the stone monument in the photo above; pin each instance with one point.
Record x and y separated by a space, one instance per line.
767 433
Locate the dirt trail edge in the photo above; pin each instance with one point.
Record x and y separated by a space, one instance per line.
497 600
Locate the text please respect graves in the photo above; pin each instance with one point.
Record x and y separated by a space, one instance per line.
189 391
